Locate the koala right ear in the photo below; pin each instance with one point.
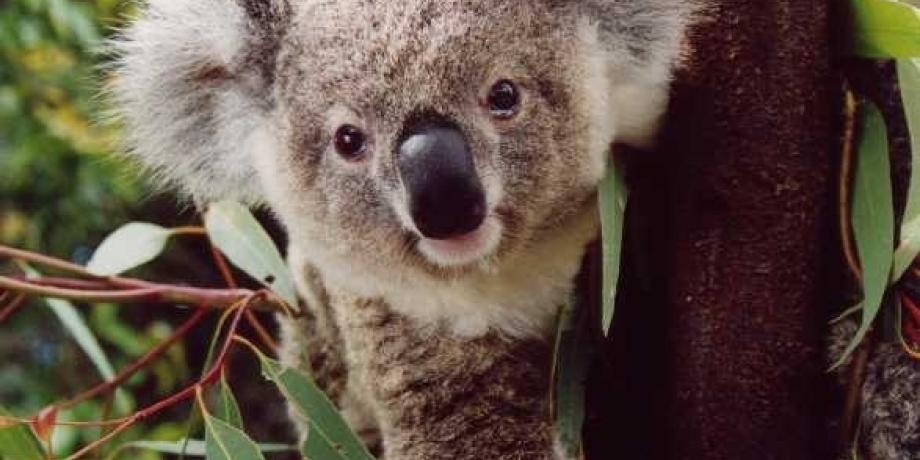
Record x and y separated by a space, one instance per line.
192 83
642 42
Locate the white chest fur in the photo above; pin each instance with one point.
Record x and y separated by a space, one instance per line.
520 297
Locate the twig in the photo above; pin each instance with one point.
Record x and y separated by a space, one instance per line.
142 292
145 360
261 331
48 261
854 387
189 231
11 308
181 396
845 185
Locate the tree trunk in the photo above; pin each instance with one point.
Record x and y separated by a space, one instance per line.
718 343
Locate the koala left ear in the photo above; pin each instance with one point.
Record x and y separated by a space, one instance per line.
192 83
641 41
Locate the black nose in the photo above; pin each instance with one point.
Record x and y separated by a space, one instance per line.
446 198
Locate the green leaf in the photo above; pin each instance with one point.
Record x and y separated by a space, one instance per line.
72 320
909 248
571 362
195 447
129 247
884 29
329 437
227 408
17 442
234 230
612 202
224 442
873 219
74 323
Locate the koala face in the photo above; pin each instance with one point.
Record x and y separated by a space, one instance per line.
416 145
414 139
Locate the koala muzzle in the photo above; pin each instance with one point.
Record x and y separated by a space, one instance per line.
446 197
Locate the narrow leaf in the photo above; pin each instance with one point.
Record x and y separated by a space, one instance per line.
74 323
572 360
72 320
884 29
196 447
909 248
332 439
234 230
612 202
17 442
873 219
224 442
227 408
129 247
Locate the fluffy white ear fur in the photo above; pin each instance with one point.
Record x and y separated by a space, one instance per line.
642 40
190 86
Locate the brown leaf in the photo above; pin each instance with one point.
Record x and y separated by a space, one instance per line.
44 423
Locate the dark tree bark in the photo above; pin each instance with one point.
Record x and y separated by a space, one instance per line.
718 348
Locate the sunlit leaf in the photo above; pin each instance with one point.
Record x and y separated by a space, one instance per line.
196 447
17 442
234 230
612 202
224 442
129 247
329 436
884 29
909 247
873 219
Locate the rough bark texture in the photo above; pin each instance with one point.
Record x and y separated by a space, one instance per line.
754 143
733 239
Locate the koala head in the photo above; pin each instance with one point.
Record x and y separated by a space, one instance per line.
437 136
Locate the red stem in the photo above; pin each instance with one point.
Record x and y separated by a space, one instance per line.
209 378
261 331
145 360
12 307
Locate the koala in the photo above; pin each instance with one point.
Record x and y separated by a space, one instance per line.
434 163
889 411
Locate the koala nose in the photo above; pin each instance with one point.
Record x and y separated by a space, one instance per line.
446 198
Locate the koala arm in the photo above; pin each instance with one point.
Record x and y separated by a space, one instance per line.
889 412
437 396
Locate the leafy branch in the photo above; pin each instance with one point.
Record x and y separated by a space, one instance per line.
234 233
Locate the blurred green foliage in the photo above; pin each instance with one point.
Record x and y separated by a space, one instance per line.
60 187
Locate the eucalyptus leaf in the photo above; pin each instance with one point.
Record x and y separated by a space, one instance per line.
572 359
873 219
332 439
234 230
227 408
129 247
884 29
17 442
74 323
909 247
612 198
196 447
224 442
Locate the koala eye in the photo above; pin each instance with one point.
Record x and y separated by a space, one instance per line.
504 100
350 142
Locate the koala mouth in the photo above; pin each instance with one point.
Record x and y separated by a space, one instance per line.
464 249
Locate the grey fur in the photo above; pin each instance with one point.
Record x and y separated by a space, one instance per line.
239 99
890 407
